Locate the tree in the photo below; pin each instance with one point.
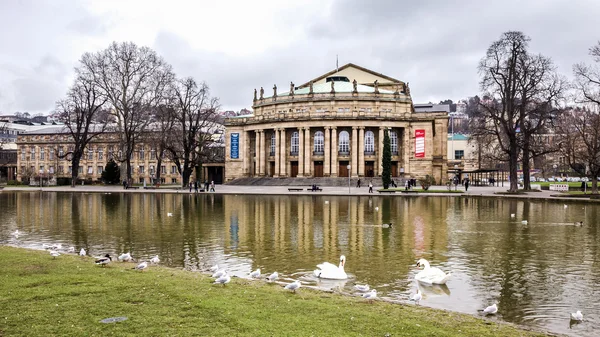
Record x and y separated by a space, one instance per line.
194 123
79 112
520 88
386 175
133 79
111 173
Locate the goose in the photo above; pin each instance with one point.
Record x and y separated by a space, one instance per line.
155 260
330 271
141 266
492 309
214 268
219 273
524 222
273 277
430 275
103 261
223 279
370 296
579 223
387 225
82 252
417 297
54 253
362 288
255 274
577 316
125 257
71 250
293 286
169 214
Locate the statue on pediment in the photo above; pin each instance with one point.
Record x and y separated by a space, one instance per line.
255 94
354 86
262 92
332 87
310 87
275 90
376 85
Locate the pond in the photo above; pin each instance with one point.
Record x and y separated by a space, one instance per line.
537 272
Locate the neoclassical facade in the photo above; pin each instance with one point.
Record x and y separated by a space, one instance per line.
333 126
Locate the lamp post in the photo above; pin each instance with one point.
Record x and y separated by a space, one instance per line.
348 167
41 178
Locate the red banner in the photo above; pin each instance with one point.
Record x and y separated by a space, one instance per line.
419 143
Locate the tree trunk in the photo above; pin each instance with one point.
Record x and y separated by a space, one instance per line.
594 184
526 166
75 169
158 172
512 166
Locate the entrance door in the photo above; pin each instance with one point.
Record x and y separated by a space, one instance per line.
343 169
394 169
271 168
369 169
294 167
318 170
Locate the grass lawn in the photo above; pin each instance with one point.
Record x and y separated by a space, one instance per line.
69 295
420 190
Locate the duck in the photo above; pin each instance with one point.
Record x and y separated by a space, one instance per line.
491 310
417 297
141 266
125 257
155 260
430 275
82 252
362 288
293 286
223 279
273 277
371 295
255 274
578 223
330 271
219 273
103 261
387 225
577 316
54 253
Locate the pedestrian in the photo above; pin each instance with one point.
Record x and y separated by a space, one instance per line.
124 184
394 184
583 186
370 187
206 185
358 183
466 184
191 185
212 186
196 186
406 185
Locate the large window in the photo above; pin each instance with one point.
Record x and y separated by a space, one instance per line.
32 153
459 154
295 147
394 142
42 154
273 143
319 140
100 153
369 142
142 154
344 146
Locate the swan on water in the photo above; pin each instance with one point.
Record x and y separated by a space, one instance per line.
430 275
330 271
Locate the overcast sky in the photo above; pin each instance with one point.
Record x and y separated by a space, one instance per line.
236 46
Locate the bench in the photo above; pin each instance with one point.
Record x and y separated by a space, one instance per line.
149 187
295 189
409 191
132 187
318 189
386 191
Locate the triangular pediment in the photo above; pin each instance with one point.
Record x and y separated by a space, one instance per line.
358 73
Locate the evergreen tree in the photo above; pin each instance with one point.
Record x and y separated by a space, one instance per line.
386 175
111 173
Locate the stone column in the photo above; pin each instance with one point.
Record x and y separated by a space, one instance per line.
361 151
277 141
334 152
327 153
245 151
262 153
256 152
282 155
301 152
354 150
406 149
307 152
380 152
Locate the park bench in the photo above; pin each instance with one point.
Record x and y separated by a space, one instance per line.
409 191
132 187
386 191
149 187
295 189
318 189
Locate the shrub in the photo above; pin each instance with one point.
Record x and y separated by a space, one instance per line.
426 182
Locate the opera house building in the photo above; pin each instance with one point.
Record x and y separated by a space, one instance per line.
333 126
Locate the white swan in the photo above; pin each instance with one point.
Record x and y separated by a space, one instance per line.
430 275
331 271
577 316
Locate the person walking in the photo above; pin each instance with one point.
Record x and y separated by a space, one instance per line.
370 187
212 186
358 183
191 185
466 184
206 185
196 186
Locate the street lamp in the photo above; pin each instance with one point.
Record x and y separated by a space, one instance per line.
348 167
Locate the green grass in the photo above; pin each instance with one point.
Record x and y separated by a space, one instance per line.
420 190
68 296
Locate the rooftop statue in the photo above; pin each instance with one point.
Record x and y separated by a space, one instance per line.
376 87
354 86
262 91
275 90
291 88
255 94
332 87
310 87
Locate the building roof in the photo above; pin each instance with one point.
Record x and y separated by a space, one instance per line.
339 86
432 108
348 65
458 136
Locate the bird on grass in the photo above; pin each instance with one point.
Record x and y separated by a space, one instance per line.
155 260
293 286
141 266
255 274
273 277
362 288
223 279
82 252
371 295
417 297
491 310
577 316
54 253
219 273
125 257
103 261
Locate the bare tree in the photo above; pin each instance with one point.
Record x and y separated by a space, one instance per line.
515 83
79 111
159 135
133 79
194 115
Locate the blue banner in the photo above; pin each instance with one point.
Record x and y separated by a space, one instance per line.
235 146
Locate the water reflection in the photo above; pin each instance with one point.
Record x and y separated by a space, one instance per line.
536 273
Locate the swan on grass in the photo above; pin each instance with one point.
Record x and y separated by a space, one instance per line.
491 310
577 316
430 275
330 271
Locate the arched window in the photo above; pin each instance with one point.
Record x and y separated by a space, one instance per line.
319 140
394 142
369 142
272 151
295 144
344 146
